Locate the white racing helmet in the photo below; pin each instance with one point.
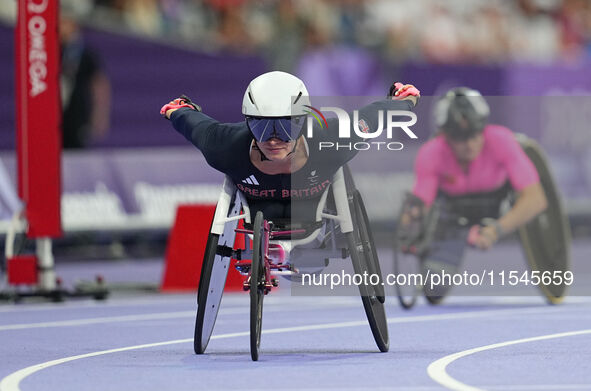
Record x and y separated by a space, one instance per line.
275 105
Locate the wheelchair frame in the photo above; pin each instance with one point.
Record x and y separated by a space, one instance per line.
262 266
554 294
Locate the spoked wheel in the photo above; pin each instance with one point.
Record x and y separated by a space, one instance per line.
209 295
406 265
257 286
364 258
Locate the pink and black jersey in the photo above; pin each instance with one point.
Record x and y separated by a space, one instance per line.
502 159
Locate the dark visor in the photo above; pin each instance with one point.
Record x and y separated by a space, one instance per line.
284 128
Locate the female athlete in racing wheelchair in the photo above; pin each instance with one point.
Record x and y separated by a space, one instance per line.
288 193
463 177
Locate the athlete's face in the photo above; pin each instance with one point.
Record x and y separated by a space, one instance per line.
467 150
276 149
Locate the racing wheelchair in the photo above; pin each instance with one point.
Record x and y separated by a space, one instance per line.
267 254
438 238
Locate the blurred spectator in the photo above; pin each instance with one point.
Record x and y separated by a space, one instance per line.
575 24
485 38
287 38
232 32
85 88
440 42
8 11
143 16
450 31
389 27
536 31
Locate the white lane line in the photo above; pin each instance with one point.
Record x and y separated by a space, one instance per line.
109 319
160 316
109 303
234 299
242 310
167 299
504 387
12 381
540 387
437 369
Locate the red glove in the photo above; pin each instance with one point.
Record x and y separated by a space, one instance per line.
473 235
182 101
484 237
396 87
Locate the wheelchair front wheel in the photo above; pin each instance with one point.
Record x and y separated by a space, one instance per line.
257 286
369 246
364 258
214 271
408 265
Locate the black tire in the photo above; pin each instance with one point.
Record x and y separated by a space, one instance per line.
403 263
257 287
368 244
365 260
546 252
208 297
434 300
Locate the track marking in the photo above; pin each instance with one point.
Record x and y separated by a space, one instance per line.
111 319
539 387
241 310
165 315
436 370
234 300
109 303
228 299
504 387
12 381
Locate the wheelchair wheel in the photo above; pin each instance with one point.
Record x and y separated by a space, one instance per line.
406 264
214 270
434 300
257 286
364 258
369 245
209 295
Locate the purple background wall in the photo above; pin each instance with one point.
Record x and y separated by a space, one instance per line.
6 88
145 75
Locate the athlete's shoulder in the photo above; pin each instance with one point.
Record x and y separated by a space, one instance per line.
431 153
229 135
433 147
226 147
500 140
498 133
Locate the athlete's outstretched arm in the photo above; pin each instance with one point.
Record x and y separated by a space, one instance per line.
531 201
400 98
214 139
525 180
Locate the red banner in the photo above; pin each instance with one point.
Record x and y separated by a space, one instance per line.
38 113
